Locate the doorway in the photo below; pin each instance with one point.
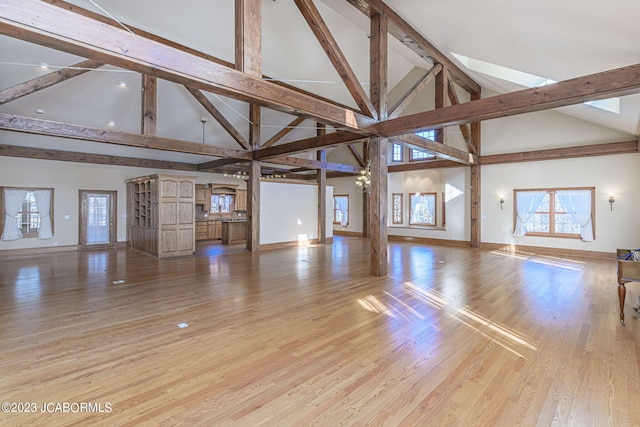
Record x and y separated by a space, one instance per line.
97 219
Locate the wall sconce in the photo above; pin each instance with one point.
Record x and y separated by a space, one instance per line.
612 200
501 200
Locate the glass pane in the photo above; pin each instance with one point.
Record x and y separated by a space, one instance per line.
423 209
544 207
28 219
539 223
97 219
564 224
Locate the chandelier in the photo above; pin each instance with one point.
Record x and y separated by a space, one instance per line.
363 181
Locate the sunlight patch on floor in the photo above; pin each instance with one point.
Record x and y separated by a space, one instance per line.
506 338
564 263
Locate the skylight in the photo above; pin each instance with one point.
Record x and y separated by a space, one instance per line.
527 80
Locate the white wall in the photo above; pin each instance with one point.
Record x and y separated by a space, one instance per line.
550 129
289 212
619 174
67 178
347 186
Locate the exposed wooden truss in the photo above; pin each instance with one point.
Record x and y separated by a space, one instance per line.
85 133
413 92
47 80
85 37
72 156
216 114
337 58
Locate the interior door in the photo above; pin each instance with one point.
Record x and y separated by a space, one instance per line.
97 219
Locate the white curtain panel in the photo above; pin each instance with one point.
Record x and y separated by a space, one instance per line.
43 201
342 207
577 203
13 200
528 203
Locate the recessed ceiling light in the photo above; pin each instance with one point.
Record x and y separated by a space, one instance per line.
44 65
122 84
111 123
40 111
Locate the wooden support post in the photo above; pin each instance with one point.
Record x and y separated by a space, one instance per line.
321 178
440 102
378 147
366 200
249 37
253 184
253 207
149 104
476 183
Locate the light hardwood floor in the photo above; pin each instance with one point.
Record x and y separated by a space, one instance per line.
303 336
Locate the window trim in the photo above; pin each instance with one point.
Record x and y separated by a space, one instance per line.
552 191
334 209
435 209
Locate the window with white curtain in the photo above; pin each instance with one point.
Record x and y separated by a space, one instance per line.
422 209
561 212
341 209
27 213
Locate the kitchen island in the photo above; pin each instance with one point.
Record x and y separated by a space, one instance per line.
234 231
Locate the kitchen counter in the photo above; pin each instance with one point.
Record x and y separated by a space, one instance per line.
234 231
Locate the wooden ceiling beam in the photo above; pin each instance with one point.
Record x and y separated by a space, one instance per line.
415 41
220 118
356 155
411 94
332 49
284 132
429 164
39 22
464 127
618 82
105 20
101 159
438 149
606 149
312 143
313 164
84 133
214 164
48 80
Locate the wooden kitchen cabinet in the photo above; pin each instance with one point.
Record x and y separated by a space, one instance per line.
202 230
214 230
161 214
241 200
203 196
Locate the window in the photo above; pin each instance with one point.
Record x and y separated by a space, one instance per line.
222 203
397 152
341 210
567 212
398 215
428 134
27 213
28 217
417 154
422 209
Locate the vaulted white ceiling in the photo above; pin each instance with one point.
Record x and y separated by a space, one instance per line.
558 40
